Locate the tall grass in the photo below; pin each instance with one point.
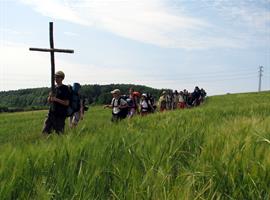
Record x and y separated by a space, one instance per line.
217 151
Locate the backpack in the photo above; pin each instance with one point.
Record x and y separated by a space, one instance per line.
163 102
74 101
130 101
123 111
150 102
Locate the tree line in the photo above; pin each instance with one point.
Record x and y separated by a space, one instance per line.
36 98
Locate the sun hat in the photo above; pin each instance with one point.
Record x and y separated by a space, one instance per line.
115 91
144 95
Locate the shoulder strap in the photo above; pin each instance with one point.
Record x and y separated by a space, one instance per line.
113 102
118 102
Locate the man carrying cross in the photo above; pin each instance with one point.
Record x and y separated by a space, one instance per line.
59 102
59 95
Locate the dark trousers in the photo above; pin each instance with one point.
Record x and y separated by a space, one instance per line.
117 117
52 122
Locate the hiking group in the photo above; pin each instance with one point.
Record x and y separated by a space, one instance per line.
126 106
66 101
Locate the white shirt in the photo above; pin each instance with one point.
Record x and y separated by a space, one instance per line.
181 99
115 105
144 105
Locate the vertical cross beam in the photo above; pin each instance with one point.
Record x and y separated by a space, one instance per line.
52 50
52 58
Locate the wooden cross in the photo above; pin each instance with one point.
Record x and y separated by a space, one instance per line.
52 50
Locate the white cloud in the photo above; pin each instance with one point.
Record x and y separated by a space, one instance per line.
19 73
55 9
8 31
253 14
152 21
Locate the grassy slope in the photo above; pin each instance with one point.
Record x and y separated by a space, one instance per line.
220 151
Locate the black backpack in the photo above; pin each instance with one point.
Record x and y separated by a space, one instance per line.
131 102
150 102
74 102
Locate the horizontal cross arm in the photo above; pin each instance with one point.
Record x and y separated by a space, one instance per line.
52 50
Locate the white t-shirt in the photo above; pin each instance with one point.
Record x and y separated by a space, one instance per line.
181 99
144 105
115 105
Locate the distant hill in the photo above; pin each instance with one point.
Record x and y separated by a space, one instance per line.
36 98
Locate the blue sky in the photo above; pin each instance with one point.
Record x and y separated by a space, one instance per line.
215 44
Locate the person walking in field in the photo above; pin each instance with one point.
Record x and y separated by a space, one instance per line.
203 95
175 96
196 96
133 102
76 106
169 100
162 102
181 103
119 106
59 103
145 105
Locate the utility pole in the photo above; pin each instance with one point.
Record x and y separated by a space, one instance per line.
260 77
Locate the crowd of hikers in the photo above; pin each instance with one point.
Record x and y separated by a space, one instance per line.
66 102
126 106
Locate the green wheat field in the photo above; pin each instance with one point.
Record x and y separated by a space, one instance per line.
220 150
